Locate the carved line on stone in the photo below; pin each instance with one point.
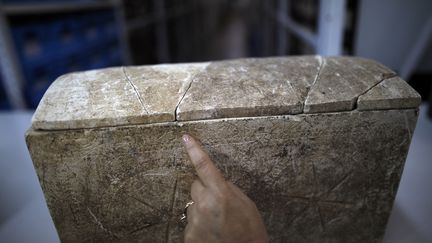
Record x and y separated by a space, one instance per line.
99 223
145 226
407 125
341 182
322 62
296 216
315 178
322 223
73 215
287 81
145 203
135 90
319 200
171 209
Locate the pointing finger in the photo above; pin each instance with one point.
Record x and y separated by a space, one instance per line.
206 170
197 190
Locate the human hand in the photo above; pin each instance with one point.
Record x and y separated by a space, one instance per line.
221 211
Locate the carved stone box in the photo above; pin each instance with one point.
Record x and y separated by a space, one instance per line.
318 143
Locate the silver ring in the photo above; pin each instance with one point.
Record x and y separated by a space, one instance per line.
184 214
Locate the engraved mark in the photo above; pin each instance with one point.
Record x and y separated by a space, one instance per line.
320 217
341 182
140 99
170 213
145 226
407 125
99 223
314 174
321 62
318 198
296 216
145 203
73 215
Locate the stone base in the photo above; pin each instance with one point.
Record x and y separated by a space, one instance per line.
328 177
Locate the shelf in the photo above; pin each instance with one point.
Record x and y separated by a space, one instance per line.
152 18
54 7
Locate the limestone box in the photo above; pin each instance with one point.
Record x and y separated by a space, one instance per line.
318 143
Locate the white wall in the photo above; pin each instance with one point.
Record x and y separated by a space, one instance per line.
387 30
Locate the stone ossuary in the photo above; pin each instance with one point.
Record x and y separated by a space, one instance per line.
319 143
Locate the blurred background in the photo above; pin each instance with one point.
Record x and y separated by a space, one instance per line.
43 39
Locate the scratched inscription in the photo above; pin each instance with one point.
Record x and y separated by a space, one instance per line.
315 178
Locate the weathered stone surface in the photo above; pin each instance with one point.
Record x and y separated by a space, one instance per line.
196 91
315 178
115 96
393 92
341 80
249 87
106 146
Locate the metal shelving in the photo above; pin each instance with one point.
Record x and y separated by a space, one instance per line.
53 7
329 38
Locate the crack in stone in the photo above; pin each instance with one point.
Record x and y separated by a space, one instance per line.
385 76
184 94
321 61
135 90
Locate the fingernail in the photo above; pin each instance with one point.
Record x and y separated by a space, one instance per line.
186 138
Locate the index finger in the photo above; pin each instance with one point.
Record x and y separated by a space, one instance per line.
206 170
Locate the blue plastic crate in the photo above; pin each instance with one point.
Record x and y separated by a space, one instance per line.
70 43
34 95
65 37
106 54
33 42
114 53
44 43
97 28
42 76
43 1
109 26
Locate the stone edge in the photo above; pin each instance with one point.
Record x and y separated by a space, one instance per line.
126 121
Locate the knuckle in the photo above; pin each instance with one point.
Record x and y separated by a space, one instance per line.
196 185
201 163
222 191
202 206
194 221
189 237
206 206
